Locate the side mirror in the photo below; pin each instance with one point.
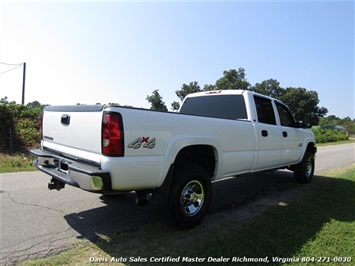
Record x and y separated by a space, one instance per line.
306 122
301 124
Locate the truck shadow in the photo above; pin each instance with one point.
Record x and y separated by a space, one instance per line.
122 216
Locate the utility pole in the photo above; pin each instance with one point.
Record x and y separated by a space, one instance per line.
23 83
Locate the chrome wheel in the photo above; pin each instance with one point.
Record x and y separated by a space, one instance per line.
192 198
304 171
309 167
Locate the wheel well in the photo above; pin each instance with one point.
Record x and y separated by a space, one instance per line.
201 155
311 147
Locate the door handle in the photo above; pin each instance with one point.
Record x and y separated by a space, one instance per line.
264 133
284 133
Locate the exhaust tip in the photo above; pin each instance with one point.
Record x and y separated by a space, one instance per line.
142 198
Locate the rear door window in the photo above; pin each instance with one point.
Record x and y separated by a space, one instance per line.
265 110
218 106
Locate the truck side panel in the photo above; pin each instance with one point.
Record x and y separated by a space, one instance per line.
171 132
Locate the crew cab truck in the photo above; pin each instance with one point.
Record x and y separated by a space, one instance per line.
173 156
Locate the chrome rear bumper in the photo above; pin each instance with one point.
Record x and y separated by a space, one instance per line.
84 175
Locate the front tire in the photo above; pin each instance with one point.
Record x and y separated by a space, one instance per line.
304 171
190 197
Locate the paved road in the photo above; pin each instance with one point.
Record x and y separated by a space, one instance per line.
331 157
36 222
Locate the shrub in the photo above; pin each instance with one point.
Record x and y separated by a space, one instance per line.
328 135
19 125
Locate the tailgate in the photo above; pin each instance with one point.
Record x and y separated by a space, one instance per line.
74 131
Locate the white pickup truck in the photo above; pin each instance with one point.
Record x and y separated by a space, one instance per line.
173 156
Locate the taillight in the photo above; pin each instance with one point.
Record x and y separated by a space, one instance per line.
213 92
112 134
41 125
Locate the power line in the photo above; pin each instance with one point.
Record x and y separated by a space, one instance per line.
19 64
8 64
24 75
10 69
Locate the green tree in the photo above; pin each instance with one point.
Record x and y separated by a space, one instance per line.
302 102
34 104
187 89
156 101
233 80
348 124
270 87
330 120
333 120
209 87
175 106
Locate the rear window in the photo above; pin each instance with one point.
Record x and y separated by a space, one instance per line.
218 106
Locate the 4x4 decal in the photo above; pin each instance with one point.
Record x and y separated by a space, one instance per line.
137 143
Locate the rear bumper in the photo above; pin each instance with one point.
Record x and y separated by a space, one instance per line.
86 176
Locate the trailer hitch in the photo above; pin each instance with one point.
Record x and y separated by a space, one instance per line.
55 184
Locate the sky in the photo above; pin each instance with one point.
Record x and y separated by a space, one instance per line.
119 52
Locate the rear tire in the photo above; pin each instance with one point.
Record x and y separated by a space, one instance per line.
304 171
190 197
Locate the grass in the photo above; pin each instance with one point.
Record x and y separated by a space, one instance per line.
16 163
318 225
336 143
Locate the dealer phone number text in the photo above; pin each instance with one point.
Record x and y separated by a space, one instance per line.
326 259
